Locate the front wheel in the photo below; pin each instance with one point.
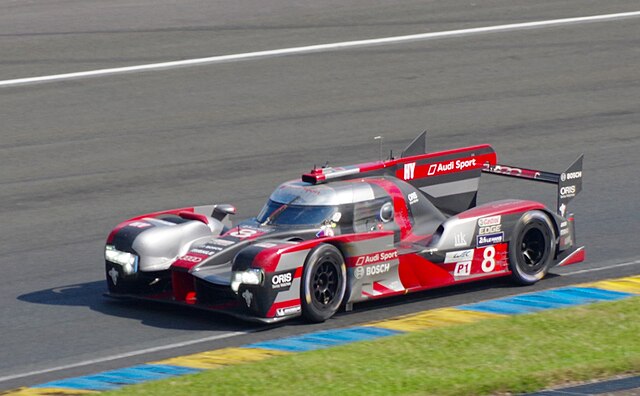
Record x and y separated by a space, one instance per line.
532 248
323 283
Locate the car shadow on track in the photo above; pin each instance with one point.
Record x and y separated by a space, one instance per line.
90 295
160 315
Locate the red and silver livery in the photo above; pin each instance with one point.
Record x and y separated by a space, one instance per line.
339 236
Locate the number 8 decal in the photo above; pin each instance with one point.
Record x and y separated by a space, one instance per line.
489 259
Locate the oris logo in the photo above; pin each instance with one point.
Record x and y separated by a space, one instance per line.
281 281
567 191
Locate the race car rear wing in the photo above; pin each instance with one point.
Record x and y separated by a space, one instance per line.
569 182
449 179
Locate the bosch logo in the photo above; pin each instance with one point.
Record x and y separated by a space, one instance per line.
358 272
281 279
377 269
574 175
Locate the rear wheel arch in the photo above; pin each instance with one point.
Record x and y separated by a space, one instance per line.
532 247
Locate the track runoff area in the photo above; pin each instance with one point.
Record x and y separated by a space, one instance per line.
587 293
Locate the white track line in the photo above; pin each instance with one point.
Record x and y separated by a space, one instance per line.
602 268
320 48
124 355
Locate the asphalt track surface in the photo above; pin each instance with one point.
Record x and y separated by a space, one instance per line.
80 155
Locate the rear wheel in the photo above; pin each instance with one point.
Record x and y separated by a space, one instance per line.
323 283
532 248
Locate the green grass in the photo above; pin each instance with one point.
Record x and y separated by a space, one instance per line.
513 354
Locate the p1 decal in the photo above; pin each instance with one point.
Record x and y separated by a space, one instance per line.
463 269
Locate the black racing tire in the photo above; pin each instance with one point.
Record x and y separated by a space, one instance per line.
532 248
324 283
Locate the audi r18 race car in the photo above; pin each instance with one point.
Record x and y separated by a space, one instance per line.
339 236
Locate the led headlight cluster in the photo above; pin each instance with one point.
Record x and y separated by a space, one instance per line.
128 261
251 276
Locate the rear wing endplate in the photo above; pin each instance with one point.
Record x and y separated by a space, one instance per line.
569 182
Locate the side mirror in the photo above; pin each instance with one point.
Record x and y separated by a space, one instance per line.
223 210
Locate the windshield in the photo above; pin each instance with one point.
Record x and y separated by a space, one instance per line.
279 213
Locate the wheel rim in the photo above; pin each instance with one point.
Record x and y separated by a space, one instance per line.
533 247
325 283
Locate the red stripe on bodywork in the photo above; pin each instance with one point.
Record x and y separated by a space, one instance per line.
446 167
401 213
318 175
140 217
380 288
576 257
194 216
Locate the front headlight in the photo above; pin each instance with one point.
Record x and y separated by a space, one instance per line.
128 261
251 276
